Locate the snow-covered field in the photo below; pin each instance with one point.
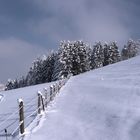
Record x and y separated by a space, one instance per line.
9 109
103 104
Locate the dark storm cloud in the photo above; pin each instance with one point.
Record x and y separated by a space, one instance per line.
89 20
14 16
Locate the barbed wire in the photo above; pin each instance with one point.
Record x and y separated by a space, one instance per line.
55 89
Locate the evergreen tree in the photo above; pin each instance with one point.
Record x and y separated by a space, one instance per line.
42 70
15 84
66 53
48 67
10 84
97 56
124 53
21 83
111 53
81 61
35 74
73 57
131 49
58 68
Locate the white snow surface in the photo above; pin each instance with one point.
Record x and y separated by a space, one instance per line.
2 87
103 104
9 108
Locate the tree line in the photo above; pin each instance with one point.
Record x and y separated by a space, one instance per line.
73 58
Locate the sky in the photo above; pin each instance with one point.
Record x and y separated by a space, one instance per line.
31 28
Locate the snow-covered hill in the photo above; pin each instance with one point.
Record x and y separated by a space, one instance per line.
103 104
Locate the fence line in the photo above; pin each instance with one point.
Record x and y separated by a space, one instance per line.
42 100
15 112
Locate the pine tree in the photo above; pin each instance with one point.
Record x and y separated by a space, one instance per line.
21 83
66 58
124 53
16 84
58 68
97 56
116 57
73 58
106 54
81 61
10 84
48 67
111 53
35 73
131 49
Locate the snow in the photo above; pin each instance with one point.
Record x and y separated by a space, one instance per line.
1 97
102 104
2 87
9 108
20 100
39 92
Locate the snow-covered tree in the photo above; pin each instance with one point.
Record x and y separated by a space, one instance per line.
111 53
73 55
10 84
97 57
21 83
138 46
58 68
42 70
131 49
48 67
81 58
35 73
124 53
66 52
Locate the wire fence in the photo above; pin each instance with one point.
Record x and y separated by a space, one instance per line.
15 123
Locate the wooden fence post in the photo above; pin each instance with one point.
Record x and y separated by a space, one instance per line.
39 102
6 133
46 96
21 116
59 85
51 93
42 100
53 89
45 89
56 85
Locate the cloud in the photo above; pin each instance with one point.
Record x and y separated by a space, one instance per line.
16 56
90 20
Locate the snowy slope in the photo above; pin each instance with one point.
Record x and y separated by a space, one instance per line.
9 117
103 104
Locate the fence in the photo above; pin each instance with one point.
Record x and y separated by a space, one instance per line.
27 112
